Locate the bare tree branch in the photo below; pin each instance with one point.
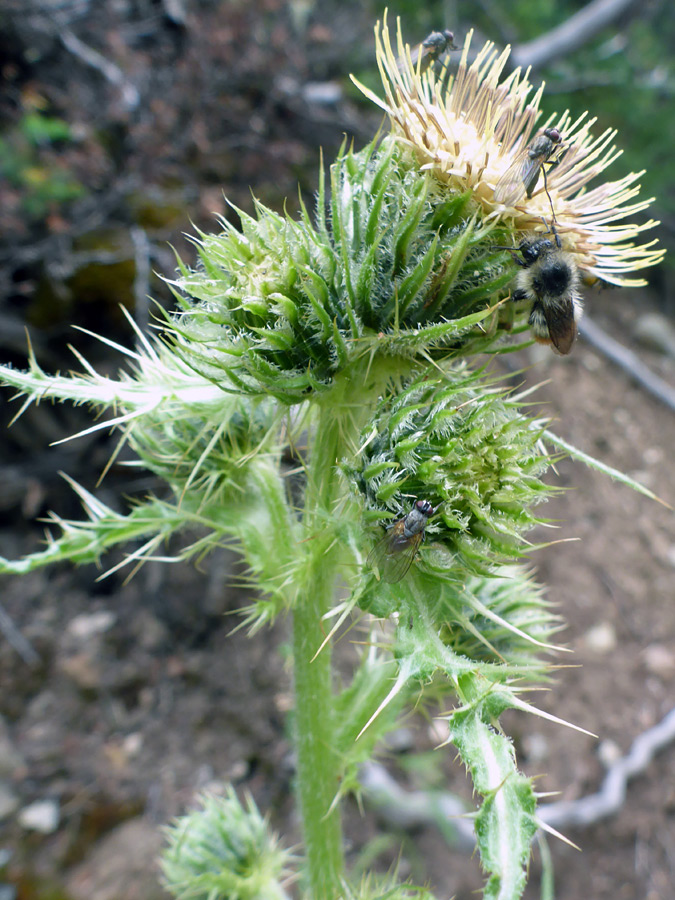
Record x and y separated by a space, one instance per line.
572 34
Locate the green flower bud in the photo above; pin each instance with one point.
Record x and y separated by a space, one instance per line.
462 443
396 265
224 850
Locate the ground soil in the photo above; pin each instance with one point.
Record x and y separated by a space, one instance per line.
140 695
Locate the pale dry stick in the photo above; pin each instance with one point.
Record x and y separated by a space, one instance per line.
412 809
612 794
111 72
17 640
566 38
141 244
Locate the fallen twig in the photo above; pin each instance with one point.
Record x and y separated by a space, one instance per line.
412 809
612 794
142 276
17 640
111 72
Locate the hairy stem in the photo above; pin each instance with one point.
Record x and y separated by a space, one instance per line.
315 722
315 726
342 413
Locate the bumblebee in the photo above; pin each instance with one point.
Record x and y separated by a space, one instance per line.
549 279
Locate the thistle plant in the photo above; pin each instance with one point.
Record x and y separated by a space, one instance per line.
363 336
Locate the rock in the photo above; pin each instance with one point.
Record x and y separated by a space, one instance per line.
659 660
323 93
42 816
536 747
88 625
103 877
601 638
83 670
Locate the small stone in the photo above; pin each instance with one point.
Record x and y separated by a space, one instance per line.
101 877
660 660
133 744
83 670
323 93
87 625
608 753
601 638
283 701
536 747
150 633
42 816
652 455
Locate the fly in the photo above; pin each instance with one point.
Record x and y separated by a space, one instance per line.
430 50
522 175
393 554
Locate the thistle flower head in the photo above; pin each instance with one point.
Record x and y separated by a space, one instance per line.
470 131
226 849
460 442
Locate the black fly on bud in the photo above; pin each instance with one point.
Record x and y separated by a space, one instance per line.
394 553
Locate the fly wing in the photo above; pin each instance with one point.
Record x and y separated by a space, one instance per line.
530 174
393 554
513 183
401 61
561 321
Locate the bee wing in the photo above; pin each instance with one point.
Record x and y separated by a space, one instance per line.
562 325
521 176
393 554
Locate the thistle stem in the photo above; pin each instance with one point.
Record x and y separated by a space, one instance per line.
318 765
315 727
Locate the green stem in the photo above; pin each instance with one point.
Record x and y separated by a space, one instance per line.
318 763
342 413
